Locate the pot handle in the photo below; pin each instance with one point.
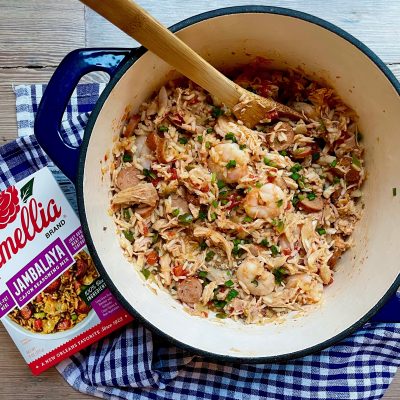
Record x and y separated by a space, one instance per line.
57 94
390 312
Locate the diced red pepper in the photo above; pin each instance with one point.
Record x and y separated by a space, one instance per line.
152 258
174 173
179 271
38 325
286 252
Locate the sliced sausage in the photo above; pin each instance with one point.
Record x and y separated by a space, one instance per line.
81 268
26 312
288 131
127 177
64 324
190 290
352 175
53 287
82 308
311 205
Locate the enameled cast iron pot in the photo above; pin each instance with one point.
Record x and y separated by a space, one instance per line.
368 274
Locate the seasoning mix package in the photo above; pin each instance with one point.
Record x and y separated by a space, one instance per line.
53 302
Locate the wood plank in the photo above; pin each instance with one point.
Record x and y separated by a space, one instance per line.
39 32
17 382
374 22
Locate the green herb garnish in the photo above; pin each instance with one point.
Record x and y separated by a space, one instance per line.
149 174
128 235
155 238
200 139
231 164
185 219
333 163
264 243
242 146
208 145
127 157
176 212
210 255
203 245
217 112
296 168
311 196
295 176
213 216
279 274
209 130
283 153
231 295
203 214
247 219
221 315
219 303
356 161
220 184
274 250
230 136
321 231
202 274
214 203
163 128
146 273
279 203
255 282
182 140
315 156
229 283
127 214
336 180
295 200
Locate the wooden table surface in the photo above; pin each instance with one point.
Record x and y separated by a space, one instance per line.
36 34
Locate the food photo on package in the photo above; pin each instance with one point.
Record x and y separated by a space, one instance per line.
53 302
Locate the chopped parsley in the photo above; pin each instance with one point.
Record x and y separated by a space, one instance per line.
163 128
220 184
200 139
295 176
202 274
214 203
336 180
182 140
155 238
219 303
203 245
247 219
321 231
231 164
279 225
209 130
203 214
264 243
283 153
229 283
295 200
213 216
296 168
333 163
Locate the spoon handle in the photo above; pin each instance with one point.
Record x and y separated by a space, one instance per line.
137 23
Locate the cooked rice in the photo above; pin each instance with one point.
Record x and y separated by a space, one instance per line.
59 307
247 223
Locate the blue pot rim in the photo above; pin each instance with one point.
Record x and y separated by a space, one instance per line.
135 55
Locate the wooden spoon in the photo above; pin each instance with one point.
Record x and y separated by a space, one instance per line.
137 23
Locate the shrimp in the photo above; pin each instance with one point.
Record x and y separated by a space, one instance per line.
255 278
225 154
311 288
265 202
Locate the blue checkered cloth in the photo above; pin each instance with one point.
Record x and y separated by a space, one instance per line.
136 364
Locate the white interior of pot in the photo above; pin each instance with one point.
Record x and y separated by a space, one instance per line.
365 272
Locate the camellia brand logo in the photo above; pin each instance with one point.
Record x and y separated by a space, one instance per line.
34 217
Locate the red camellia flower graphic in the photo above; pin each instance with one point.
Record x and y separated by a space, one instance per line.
9 206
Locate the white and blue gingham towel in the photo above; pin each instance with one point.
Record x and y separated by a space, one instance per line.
134 363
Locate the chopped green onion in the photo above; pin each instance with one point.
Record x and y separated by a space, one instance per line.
231 295
39 315
185 219
219 303
210 255
311 196
209 130
127 214
296 168
258 185
242 146
217 112
279 274
200 139
267 161
295 176
127 157
255 282
224 202
247 219
203 245
182 140
264 243
176 212
203 214
155 238
301 182
74 317
295 200
302 197
230 136
208 145
336 180
149 174
394 191
128 235
283 153
280 226
213 177
213 216
274 250
214 203
333 163
231 164
321 231
220 184
279 203
163 128
146 273
229 283
221 315
316 156
202 274
236 250
356 161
